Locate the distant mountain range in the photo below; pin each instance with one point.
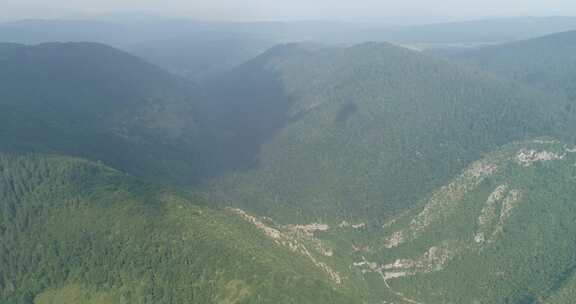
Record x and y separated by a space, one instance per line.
213 46
548 62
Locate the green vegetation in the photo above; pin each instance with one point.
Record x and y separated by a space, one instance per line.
501 232
367 131
412 178
96 102
77 232
548 63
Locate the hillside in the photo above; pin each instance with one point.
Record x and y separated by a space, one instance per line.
500 232
474 32
370 174
361 132
78 232
97 102
548 62
197 56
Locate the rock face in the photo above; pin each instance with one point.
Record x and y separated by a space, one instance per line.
529 157
297 238
482 229
512 207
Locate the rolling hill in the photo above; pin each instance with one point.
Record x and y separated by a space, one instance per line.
360 132
548 62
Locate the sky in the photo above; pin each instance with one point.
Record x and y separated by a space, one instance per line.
396 11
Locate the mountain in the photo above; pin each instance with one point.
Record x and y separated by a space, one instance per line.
125 32
548 62
97 102
496 30
500 232
185 47
74 231
198 55
181 45
360 133
44 31
309 174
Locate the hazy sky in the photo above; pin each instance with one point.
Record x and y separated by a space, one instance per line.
374 10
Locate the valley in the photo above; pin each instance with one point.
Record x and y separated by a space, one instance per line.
257 171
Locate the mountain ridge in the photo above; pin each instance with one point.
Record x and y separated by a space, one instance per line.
546 62
375 100
84 230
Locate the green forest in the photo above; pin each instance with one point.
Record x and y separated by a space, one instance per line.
229 166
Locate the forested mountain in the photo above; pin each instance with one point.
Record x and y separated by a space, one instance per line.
75 232
502 231
184 47
94 101
548 62
195 48
361 132
309 174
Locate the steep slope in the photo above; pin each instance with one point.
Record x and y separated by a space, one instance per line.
94 101
360 132
500 232
78 232
548 62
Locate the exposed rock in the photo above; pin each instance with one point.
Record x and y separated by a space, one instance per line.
290 240
433 259
269 231
444 201
490 223
527 158
309 229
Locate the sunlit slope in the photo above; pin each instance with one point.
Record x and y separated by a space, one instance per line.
503 231
361 132
77 232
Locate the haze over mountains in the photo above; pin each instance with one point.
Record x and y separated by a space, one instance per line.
219 164
221 45
546 62
94 101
